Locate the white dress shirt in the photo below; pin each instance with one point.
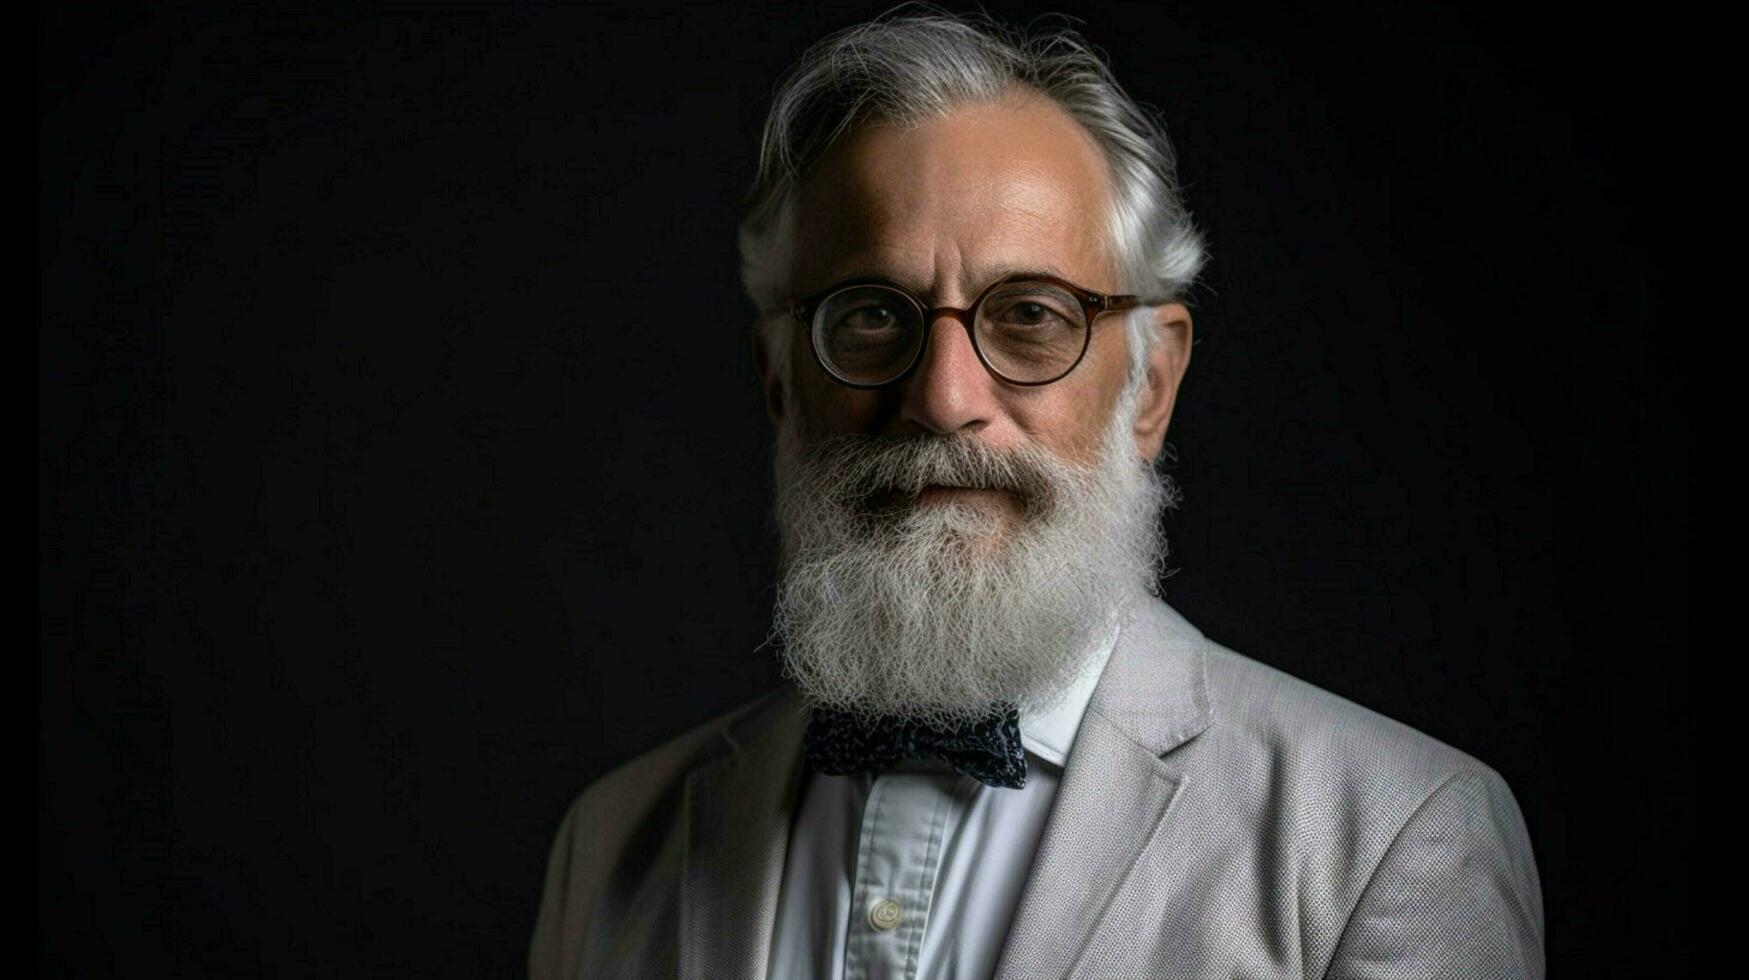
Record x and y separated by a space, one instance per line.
916 873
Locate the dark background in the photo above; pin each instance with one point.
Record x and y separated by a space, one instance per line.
401 467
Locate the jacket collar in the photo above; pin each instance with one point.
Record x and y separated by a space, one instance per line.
738 810
1116 790
1155 687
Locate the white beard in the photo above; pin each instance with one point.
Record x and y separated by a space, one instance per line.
936 613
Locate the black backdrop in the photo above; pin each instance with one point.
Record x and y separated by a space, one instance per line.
370 526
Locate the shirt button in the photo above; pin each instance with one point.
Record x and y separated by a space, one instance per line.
884 914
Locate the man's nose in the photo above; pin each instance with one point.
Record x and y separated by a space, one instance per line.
948 390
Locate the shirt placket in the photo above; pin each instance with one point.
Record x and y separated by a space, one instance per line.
897 858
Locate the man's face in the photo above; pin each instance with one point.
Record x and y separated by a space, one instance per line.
945 208
952 541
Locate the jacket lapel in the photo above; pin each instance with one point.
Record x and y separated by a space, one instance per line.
738 810
1116 789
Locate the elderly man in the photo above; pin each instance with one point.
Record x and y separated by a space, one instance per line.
1001 753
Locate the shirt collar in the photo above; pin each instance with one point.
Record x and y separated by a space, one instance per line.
1050 733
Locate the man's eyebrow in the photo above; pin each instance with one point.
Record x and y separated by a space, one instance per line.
974 284
988 276
871 273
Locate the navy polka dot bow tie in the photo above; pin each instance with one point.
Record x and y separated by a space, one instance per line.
987 750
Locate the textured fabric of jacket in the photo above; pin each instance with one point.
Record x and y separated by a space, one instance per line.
1217 818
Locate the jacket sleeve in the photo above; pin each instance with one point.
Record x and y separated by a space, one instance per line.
1456 894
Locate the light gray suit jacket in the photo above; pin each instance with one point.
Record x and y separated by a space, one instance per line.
1217 818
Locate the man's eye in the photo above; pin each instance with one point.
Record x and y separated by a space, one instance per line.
872 318
1027 313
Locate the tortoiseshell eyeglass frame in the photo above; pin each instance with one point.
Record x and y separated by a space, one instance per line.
1093 305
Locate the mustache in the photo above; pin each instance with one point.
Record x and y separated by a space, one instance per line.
862 472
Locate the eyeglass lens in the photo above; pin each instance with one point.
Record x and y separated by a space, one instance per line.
1028 332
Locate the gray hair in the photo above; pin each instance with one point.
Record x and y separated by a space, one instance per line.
910 68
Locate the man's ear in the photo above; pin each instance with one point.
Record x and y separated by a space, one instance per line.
770 377
1167 361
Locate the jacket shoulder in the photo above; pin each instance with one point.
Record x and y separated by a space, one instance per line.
615 859
630 788
1411 818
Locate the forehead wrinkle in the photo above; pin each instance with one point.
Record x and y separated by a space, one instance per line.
908 265
995 250
1028 220
922 215
973 278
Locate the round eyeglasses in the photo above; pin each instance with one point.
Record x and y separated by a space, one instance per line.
1026 329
